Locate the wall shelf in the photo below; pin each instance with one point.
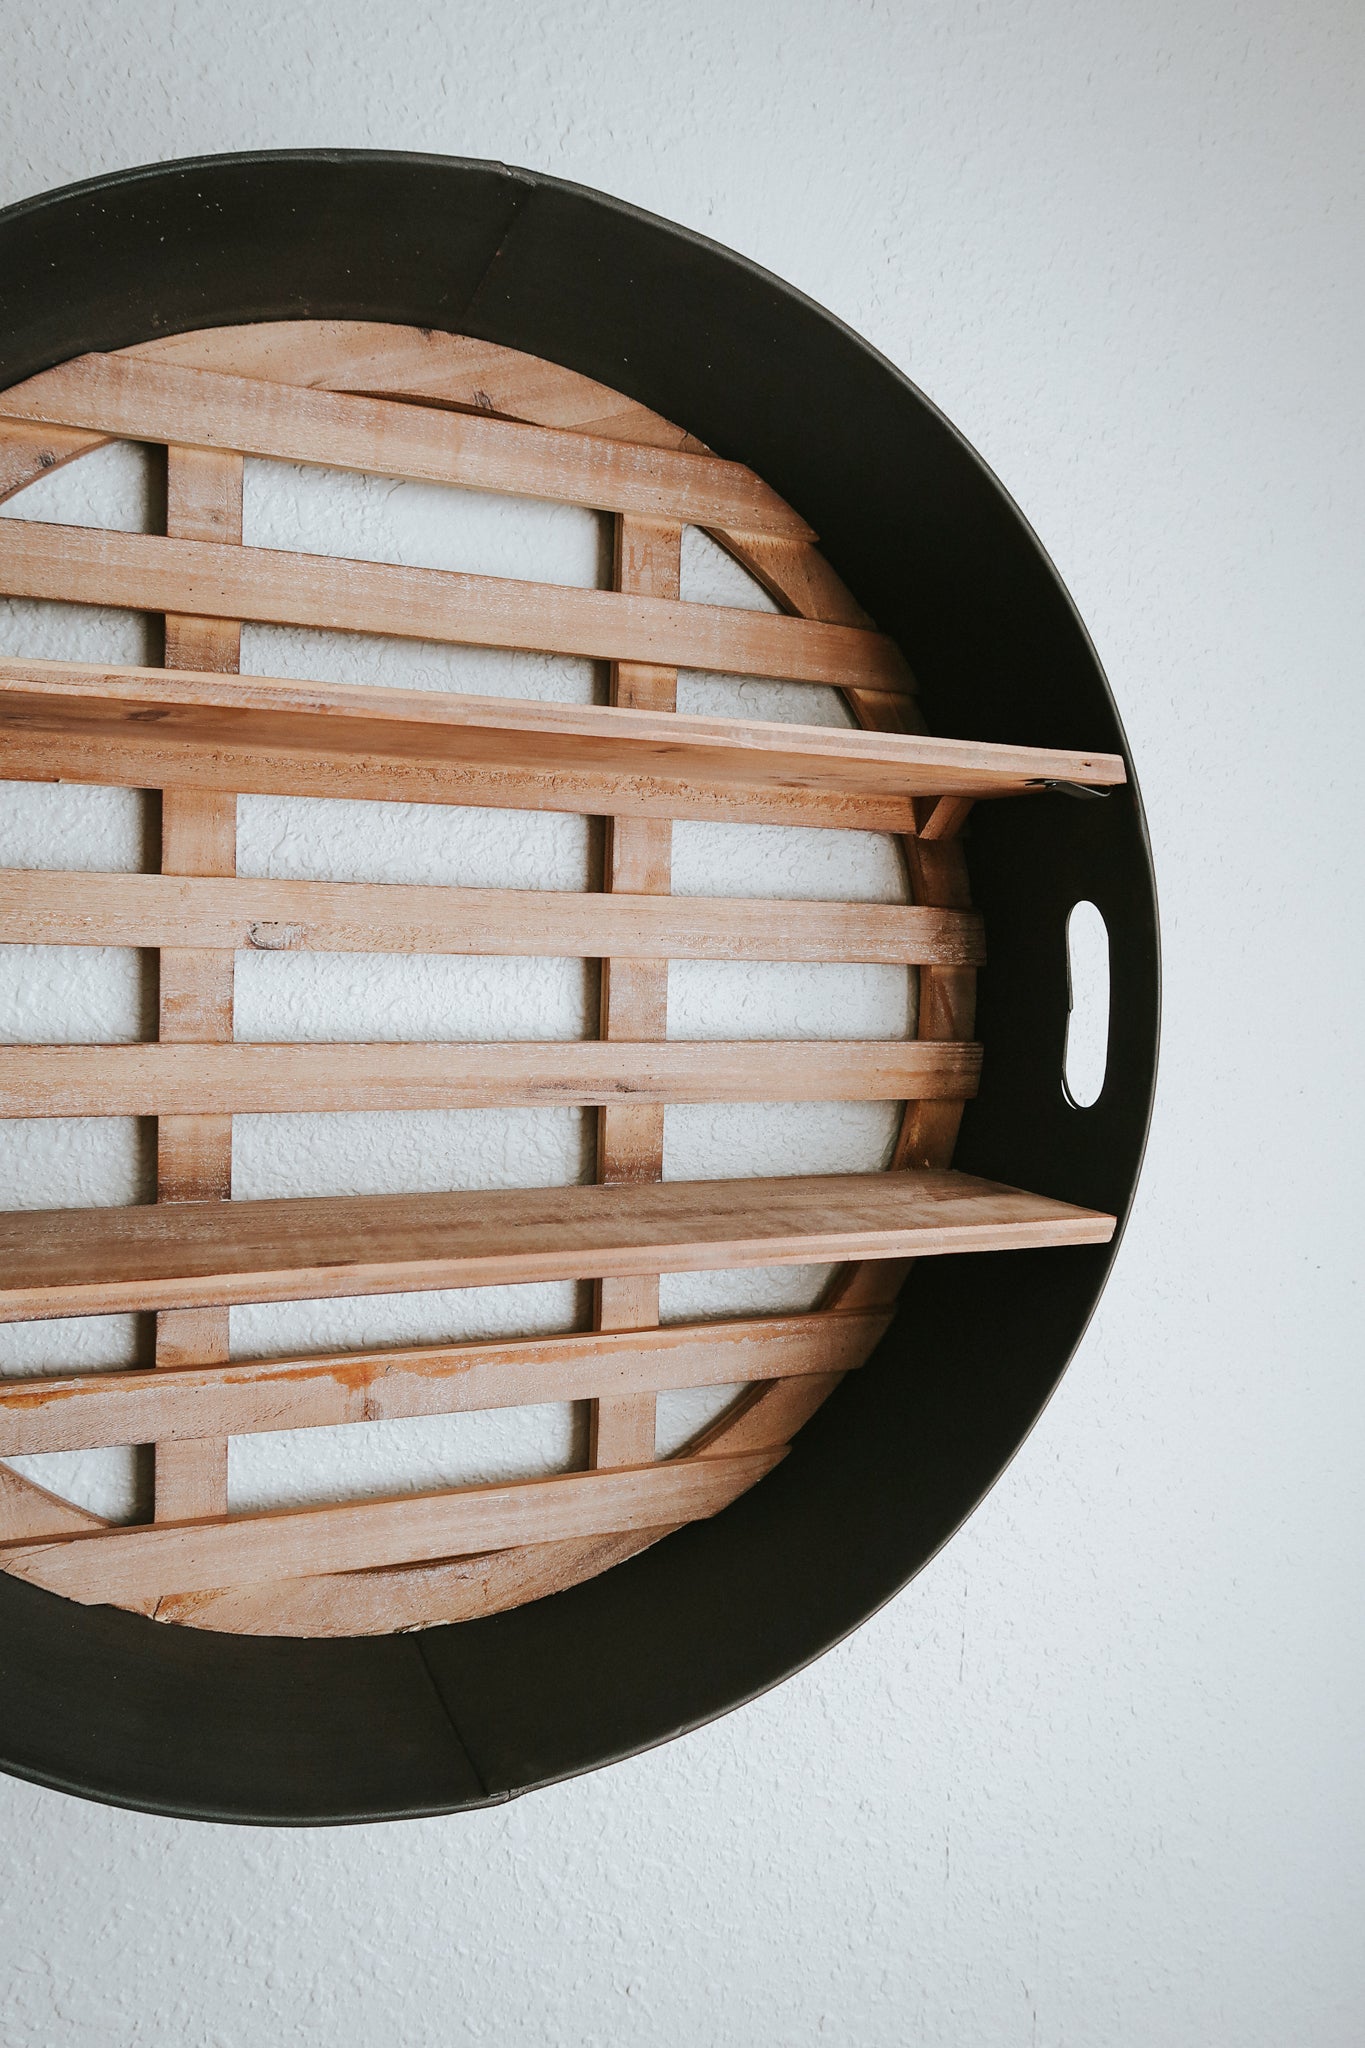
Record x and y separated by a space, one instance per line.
607 1606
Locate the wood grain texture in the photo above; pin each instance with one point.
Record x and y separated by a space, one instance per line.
198 837
49 907
200 1254
165 718
145 1562
146 573
212 1083
149 399
82 1411
638 859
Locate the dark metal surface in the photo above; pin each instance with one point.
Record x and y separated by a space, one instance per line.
108 1705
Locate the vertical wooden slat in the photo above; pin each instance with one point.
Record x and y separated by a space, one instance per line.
639 859
198 837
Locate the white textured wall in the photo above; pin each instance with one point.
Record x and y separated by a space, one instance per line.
1096 1778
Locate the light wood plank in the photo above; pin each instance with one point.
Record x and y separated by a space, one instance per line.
634 997
425 363
198 837
81 1411
194 1254
53 908
144 572
204 1082
133 1564
146 399
164 718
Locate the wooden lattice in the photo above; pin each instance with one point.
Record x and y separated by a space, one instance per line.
403 403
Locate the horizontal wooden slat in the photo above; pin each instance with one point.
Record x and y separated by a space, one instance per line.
142 399
70 721
147 572
137 1563
84 1410
49 907
268 1079
186 1255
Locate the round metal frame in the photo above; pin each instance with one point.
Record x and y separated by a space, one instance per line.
109 1705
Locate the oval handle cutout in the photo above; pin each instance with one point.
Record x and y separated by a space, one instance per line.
1087 1025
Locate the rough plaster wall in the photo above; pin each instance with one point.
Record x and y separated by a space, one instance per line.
1095 1778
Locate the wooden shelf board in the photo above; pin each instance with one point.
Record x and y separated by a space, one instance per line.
192 1254
65 721
145 572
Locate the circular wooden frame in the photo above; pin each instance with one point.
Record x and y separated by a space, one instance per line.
403 366
995 617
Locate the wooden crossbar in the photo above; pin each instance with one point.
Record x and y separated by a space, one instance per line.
81 1411
135 1564
143 399
195 984
56 908
633 1005
265 1079
623 744
148 573
615 740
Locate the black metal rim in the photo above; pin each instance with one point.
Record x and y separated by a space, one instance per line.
112 1707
